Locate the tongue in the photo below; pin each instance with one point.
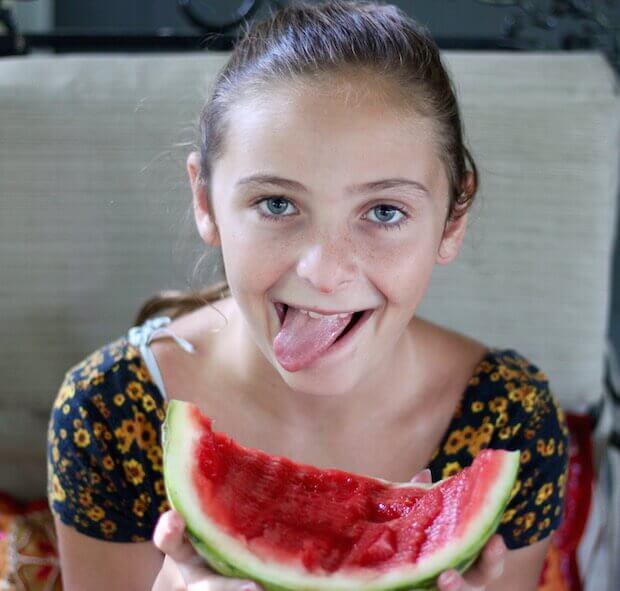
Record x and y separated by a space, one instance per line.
302 339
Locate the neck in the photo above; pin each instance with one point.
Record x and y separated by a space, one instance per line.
372 405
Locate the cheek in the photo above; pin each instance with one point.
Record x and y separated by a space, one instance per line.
253 259
401 271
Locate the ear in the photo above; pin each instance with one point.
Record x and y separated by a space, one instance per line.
205 220
451 241
455 230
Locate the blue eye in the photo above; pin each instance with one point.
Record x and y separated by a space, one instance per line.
384 213
275 207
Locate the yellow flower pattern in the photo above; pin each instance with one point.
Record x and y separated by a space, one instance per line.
104 447
105 473
508 405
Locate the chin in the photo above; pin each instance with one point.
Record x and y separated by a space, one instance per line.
318 383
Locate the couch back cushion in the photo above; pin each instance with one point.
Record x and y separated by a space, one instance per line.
94 206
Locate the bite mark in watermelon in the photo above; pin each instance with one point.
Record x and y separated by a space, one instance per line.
295 527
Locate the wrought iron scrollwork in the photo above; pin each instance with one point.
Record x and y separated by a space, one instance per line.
597 22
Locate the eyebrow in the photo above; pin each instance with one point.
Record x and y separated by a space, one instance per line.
269 179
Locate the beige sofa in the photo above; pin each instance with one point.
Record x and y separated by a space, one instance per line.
93 204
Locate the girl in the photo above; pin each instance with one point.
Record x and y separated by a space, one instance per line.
332 173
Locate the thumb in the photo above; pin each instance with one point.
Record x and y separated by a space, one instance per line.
170 538
423 477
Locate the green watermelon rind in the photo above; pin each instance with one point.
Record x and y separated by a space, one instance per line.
224 566
219 563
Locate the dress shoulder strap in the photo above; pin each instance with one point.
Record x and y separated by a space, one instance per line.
141 337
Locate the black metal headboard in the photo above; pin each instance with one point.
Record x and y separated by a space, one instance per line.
585 24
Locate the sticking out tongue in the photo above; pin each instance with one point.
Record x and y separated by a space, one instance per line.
302 339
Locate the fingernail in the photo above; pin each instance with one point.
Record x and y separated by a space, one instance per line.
497 571
178 527
175 521
448 578
424 475
499 548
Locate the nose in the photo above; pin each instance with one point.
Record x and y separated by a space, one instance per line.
327 266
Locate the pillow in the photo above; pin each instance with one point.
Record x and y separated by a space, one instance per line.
561 569
28 550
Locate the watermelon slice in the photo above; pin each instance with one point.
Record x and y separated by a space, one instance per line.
294 527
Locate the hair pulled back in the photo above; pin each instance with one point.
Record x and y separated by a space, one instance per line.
304 42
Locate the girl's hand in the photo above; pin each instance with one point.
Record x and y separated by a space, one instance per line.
170 538
487 568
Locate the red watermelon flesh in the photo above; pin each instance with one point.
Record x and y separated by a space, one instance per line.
304 524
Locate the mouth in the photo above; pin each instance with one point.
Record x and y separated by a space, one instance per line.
360 315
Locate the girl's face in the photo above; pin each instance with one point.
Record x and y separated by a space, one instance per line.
350 218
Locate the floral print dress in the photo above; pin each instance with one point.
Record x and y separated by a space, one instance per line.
104 454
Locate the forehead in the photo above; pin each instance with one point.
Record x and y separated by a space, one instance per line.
346 129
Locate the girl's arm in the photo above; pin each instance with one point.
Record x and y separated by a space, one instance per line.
88 563
522 568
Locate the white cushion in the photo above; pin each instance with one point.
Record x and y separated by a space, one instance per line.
93 195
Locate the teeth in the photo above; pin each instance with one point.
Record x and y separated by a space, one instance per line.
317 315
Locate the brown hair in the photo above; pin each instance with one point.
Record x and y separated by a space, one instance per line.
306 40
